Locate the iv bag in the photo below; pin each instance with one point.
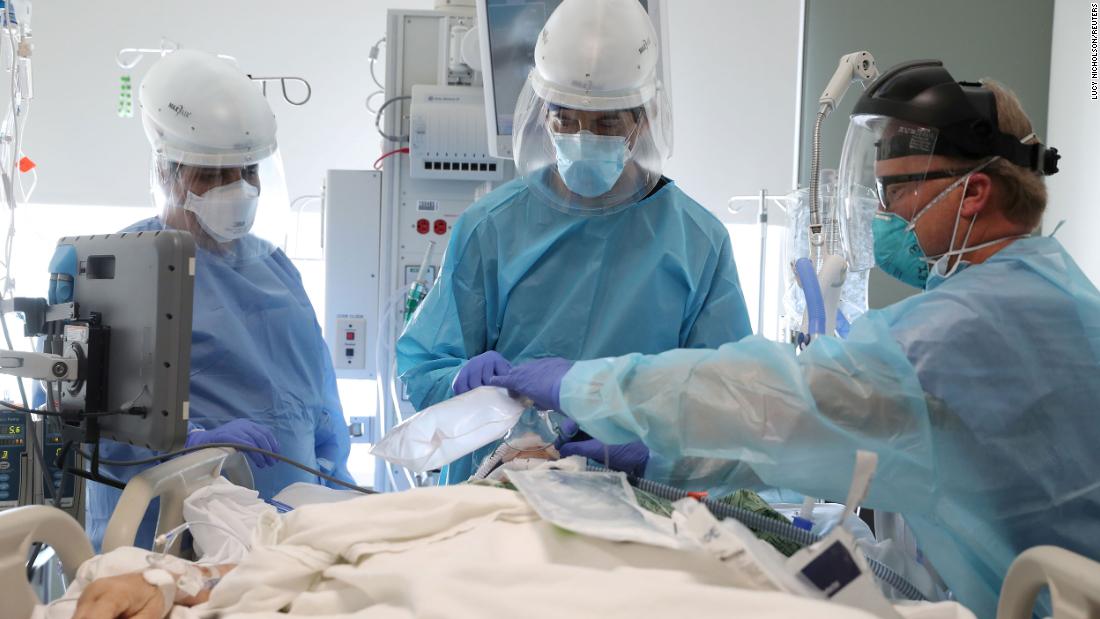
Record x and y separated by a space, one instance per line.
847 231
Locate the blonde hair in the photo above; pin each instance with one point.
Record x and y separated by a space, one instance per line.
1024 191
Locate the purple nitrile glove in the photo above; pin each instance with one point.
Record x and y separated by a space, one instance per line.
568 431
539 380
241 431
480 370
630 458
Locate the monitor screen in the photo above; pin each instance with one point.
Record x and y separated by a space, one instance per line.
513 26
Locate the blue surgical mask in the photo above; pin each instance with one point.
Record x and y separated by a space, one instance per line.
590 164
944 268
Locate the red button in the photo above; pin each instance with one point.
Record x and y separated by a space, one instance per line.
440 226
350 335
423 226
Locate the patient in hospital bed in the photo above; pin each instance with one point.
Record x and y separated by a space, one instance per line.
459 551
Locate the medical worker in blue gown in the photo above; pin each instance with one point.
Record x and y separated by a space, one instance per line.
590 252
979 395
260 372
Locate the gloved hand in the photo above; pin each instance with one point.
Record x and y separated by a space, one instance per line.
630 458
539 380
244 432
479 370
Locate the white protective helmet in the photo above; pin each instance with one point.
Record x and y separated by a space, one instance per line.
198 109
593 122
597 55
216 171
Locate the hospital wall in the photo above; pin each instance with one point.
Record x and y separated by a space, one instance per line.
1008 40
1074 129
88 155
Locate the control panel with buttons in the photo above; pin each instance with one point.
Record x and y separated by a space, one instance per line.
350 342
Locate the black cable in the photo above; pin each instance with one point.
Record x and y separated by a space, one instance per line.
15 408
238 447
36 549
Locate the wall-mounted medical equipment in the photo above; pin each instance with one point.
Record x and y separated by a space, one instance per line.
447 135
385 231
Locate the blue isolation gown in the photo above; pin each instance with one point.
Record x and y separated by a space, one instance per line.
529 281
979 397
256 353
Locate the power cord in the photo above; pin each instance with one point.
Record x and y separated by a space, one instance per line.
15 408
378 120
373 58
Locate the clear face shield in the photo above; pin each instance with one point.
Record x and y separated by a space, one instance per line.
891 160
236 212
591 161
897 160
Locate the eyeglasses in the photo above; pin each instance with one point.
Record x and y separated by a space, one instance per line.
892 188
617 123
216 175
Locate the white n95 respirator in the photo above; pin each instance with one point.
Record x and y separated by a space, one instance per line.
227 212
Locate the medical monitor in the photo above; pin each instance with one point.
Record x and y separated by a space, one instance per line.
138 287
507 30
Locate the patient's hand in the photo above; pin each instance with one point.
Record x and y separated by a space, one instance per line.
130 596
120 597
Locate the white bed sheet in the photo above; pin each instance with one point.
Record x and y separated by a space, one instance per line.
472 551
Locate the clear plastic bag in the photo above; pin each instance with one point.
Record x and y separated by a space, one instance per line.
442 433
600 505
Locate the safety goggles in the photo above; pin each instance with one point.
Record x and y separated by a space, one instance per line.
894 187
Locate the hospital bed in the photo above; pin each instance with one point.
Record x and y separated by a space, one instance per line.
171 482
1074 581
